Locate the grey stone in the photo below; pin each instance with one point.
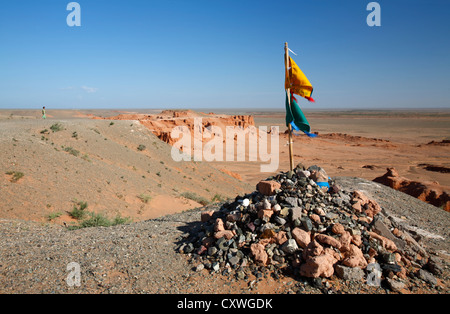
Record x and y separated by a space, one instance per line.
215 266
292 201
290 246
279 220
199 267
212 250
427 277
296 212
349 273
306 223
395 285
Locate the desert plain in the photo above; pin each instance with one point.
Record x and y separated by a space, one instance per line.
119 164
116 163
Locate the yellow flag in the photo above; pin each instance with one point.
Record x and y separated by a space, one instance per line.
297 81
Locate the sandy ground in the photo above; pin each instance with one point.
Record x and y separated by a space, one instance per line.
116 178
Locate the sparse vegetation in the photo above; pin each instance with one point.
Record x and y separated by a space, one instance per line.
78 212
75 135
91 219
45 131
53 216
145 198
56 127
141 147
72 151
197 198
112 123
99 220
218 198
86 157
16 175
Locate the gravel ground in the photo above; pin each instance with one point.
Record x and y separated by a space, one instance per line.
142 257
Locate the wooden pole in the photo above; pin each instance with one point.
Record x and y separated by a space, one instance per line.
288 91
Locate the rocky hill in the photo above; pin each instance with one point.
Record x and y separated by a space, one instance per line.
144 257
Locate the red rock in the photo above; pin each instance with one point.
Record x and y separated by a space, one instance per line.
354 258
324 239
313 249
268 187
227 234
206 215
385 242
218 225
281 237
356 240
263 213
430 192
259 254
345 240
338 228
315 218
318 266
233 217
302 237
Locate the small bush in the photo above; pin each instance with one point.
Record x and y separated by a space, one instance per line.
53 215
195 197
218 198
141 147
16 175
72 151
145 198
56 127
98 220
78 212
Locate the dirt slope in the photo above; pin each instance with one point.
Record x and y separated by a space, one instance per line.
98 162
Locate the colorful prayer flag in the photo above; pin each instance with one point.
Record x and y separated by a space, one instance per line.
297 82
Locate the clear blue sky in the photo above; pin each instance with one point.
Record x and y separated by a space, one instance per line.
223 54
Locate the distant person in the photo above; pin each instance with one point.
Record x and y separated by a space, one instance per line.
43 113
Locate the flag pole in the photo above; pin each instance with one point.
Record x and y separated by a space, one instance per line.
288 91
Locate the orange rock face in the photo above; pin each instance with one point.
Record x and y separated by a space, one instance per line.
429 192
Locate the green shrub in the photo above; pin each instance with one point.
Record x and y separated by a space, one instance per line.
72 151
78 212
16 175
56 127
195 197
53 215
145 198
141 147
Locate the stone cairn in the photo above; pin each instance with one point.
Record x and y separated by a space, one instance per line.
303 222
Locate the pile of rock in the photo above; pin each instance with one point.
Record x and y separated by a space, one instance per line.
300 220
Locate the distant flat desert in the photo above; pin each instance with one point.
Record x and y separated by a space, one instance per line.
115 177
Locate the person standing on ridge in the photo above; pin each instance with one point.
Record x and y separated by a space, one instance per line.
43 113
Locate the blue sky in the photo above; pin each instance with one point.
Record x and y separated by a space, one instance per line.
223 54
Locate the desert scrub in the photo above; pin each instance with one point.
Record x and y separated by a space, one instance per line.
90 219
99 220
72 151
218 198
145 198
195 197
78 212
141 147
53 215
56 127
16 175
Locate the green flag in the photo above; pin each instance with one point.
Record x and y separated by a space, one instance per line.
296 118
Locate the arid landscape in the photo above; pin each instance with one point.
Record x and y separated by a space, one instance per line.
118 163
